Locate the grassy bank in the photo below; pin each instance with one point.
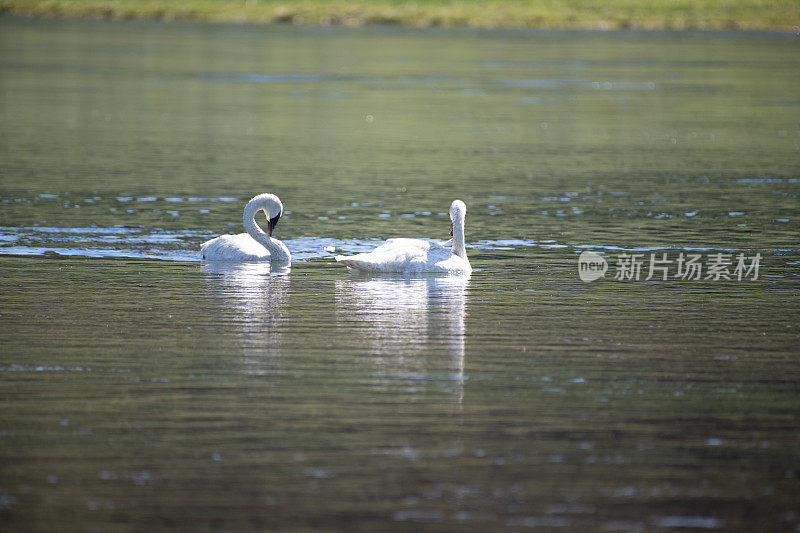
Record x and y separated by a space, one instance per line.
783 15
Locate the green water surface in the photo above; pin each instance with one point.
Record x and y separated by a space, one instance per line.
171 394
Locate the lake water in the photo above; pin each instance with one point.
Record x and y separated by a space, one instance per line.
142 388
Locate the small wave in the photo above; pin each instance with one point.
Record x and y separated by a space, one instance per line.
110 242
510 244
687 522
596 85
144 243
767 179
184 245
265 78
153 253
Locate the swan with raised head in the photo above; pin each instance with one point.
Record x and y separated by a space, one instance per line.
417 255
256 244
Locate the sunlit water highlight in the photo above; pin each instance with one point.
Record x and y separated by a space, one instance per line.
144 243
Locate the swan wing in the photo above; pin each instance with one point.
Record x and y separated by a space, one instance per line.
404 255
404 246
241 247
442 259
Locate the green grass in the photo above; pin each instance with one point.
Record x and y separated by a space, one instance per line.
781 15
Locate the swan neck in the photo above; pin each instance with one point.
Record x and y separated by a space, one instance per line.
458 238
277 250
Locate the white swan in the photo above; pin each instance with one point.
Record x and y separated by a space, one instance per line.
255 245
417 255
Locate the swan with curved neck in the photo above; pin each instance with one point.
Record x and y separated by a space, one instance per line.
417 255
256 244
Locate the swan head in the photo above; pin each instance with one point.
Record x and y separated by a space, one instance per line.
273 222
458 210
270 204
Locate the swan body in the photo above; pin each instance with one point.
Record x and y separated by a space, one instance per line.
256 244
417 255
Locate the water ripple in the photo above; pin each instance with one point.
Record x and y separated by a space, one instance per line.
184 245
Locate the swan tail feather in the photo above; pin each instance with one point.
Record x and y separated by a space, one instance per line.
363 263
351 262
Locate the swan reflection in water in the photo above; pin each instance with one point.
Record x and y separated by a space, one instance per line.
254 298
413 327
